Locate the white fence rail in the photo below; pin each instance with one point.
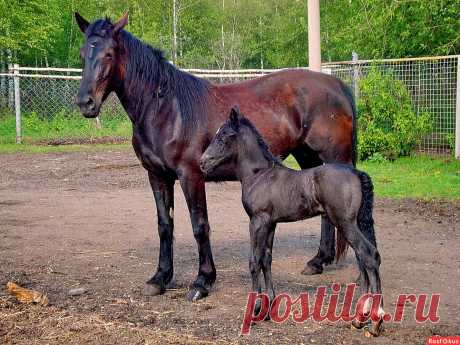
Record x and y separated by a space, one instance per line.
433 83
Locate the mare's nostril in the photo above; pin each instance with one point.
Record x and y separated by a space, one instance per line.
90 105
86 101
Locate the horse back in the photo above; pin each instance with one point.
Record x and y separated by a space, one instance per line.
290 108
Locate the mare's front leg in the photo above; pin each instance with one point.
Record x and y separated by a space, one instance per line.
163 192
193 186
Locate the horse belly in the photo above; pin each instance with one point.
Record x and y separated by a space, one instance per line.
294 213
293 204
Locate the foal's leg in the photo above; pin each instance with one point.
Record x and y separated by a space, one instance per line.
163 191
369 260
267 262
258 233
193 186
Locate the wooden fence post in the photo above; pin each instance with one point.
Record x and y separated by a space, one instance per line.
17 103
354 58
457 113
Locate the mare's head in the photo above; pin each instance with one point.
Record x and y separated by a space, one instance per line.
101 55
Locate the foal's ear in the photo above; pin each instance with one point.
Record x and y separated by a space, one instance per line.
235 118
121 23
82 22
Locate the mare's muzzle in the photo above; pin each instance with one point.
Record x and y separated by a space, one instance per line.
88 105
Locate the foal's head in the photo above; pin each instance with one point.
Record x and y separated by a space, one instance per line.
236 142
100 54
224 147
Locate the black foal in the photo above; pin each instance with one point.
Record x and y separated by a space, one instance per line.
273 193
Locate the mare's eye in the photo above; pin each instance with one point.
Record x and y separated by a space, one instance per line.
109 56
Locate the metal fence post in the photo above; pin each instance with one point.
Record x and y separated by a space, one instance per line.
17 103
354 58
457 113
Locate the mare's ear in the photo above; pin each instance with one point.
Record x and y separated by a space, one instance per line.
235 118
82 22
121 23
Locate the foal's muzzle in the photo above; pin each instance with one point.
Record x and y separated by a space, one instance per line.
205 164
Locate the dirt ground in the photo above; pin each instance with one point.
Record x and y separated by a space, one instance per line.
88 220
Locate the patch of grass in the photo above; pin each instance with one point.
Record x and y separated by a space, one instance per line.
26 148
62 126
420 177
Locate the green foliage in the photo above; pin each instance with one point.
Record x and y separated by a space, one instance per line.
62 126
237 33
387 122
26 26
450 138
389 29
377 157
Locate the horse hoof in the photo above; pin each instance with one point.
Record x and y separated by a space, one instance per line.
194 295
375 330
311 270
154 290
267 317
355 324
368 333
359 280
328 261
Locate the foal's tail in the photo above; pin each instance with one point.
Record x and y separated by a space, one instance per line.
365 219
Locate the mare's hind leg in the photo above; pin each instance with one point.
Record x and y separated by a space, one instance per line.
307 158
369 263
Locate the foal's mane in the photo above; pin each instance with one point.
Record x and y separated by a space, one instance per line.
260 141
148 69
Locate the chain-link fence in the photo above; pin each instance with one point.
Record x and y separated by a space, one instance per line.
49 113
432 84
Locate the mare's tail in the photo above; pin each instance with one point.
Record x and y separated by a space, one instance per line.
365 219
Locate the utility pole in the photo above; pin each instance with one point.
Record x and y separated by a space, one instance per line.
174 47
314 45
223 36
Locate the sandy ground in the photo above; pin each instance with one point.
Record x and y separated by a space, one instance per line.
88 220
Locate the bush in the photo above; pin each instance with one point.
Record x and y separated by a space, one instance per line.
451 142
388 124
